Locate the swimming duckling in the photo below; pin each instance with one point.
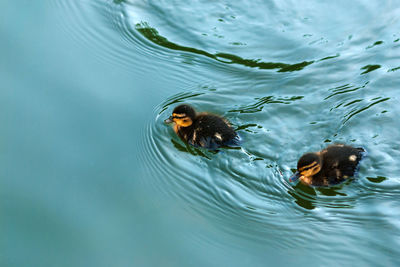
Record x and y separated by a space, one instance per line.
202 129
330 166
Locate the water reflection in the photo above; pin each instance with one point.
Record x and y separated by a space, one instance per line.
347 88
349 98
152 35
246 183
378 179
279 113
375 44
394 69
193 150
309 197
261 102
355 111
305 196
369 68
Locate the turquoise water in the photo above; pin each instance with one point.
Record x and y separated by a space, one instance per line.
90 175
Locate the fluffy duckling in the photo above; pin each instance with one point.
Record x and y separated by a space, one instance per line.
330 166
202 129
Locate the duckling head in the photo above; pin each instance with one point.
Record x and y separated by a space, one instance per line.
183 116
308 165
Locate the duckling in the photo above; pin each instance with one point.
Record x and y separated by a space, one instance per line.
202 129
330 166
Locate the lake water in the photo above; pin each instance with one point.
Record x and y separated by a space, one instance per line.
91 176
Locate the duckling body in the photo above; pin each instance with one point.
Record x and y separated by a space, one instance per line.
331 166
202 129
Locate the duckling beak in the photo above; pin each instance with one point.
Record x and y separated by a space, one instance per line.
295 177
169 120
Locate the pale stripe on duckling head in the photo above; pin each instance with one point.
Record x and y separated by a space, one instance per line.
179 115
311 171
308 166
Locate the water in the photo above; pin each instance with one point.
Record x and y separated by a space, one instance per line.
90 176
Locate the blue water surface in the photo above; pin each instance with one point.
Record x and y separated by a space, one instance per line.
91 176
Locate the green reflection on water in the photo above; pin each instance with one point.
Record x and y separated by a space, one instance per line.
375 44
152 35
369 68
355 112
378 179
261 102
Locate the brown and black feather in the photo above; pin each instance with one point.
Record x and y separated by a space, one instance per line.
338 163
206 130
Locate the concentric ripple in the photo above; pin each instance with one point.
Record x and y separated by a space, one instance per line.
211 183
248 187
114 41
291 78
157 30
86 29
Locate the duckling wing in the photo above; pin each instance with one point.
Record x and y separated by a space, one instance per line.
350 161
343 161
334 176
206 142
211 131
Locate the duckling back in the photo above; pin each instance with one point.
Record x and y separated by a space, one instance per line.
340 162
212 131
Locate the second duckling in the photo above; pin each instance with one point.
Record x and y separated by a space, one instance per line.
331 166
202 129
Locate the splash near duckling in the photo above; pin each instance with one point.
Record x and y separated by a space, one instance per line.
331 166
202 129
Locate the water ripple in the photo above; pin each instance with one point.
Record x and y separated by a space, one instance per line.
114 41
88 32
137 29
245 191
244 186
153 35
